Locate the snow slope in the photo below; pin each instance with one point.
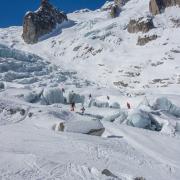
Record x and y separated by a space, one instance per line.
91 54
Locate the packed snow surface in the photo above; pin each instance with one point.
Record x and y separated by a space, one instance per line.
94 62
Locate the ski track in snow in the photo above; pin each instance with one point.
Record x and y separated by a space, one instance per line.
136 140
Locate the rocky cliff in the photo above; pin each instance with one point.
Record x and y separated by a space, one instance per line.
41 22
140 25
157 6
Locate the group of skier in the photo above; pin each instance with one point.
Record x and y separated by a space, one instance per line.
90 96
73 104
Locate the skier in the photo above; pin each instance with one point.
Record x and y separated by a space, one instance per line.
63 90
90 96
72 106
83 110
108 98
65 100
128 105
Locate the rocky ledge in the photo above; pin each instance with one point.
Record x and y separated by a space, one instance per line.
41 22
144 40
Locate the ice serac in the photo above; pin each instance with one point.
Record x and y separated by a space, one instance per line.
90 127
41 22
157 6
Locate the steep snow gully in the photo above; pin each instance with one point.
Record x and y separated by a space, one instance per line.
125 124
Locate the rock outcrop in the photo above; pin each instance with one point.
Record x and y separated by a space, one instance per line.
157 6
140 25
144 40
108 173
41 22
120 3
176 22
116 8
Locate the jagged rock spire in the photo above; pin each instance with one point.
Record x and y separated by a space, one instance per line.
41 22
44 1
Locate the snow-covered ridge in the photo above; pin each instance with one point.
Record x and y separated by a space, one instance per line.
98 42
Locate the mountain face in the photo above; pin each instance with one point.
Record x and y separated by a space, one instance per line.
122 73
157 6
41 22
109 45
